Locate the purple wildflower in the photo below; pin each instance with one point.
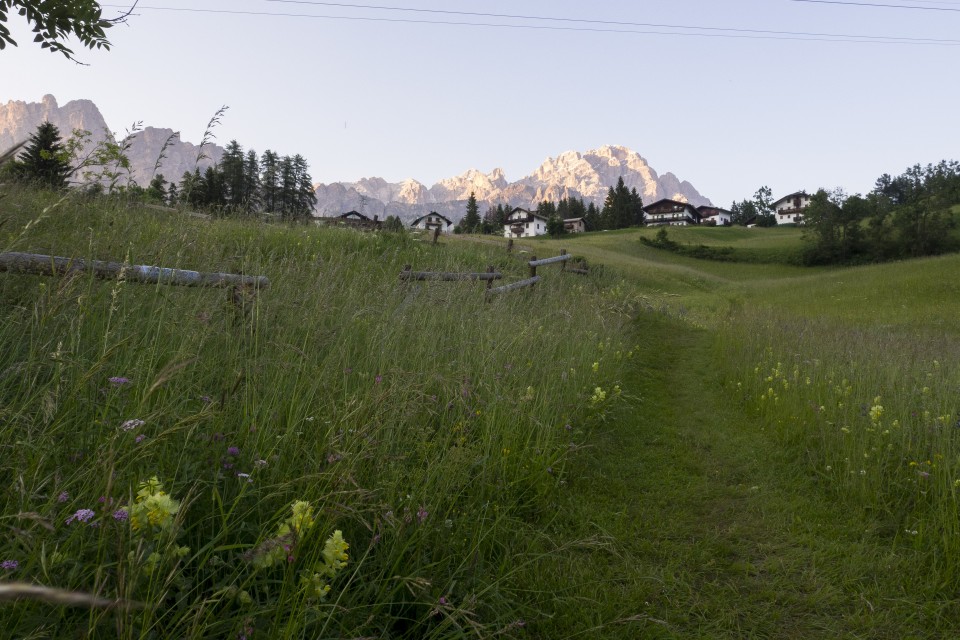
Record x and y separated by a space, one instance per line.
140 438
82 515
118 381
442 600
233 451
422 514
378 379
9 565
63 497
205 399
121 515
130 425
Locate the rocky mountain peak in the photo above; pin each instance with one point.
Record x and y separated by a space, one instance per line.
18 121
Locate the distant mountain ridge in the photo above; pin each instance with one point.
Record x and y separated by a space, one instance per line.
571 174
19 120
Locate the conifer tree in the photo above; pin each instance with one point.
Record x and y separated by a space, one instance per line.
471 221
44 160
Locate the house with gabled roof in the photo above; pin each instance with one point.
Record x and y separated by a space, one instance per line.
789 208
433 220
670 212
715 215
574 225
522 223
353 219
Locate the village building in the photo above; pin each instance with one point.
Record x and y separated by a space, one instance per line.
352 219
715 216
789 209
670 212
433 220
522 223
574 225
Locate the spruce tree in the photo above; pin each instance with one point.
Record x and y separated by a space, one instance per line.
157 191
44 160
471 221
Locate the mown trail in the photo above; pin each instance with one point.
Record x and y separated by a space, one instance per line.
698 528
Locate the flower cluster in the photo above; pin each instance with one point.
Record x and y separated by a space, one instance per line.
153 509
280 547
316 583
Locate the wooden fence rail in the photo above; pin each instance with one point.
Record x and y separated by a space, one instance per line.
43 265
519 284
407 274
563 257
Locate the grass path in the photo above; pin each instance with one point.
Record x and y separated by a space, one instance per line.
697 528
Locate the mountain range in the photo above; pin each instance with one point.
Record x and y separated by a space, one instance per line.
572 174
19 120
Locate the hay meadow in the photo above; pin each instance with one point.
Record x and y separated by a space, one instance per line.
665 448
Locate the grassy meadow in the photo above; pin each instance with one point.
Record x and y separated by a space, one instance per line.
666 448
190 456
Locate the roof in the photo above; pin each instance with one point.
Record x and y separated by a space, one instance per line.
685 205
702 209
529 218
353 214
803 194
572 219
432 213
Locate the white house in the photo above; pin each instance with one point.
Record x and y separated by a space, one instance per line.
789 209
574 225
714 215
433 220
670 212
524 224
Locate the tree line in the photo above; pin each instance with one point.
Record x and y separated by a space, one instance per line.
622 208
240 183
906 216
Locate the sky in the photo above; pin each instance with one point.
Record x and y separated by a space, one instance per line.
726 94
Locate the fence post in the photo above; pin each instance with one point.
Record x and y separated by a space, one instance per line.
563 265
436 234
510 245
533 270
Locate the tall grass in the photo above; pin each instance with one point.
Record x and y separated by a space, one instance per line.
429 427
864 397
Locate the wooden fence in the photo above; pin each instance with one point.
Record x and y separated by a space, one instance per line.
37 264
408 274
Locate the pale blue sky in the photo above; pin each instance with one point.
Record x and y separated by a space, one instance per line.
403 100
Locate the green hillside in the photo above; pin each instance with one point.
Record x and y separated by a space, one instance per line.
664 448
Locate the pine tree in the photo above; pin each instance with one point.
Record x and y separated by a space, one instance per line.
270 181
251 176
233 171
636 208
591 219
44 160
157 191
471 221
305 198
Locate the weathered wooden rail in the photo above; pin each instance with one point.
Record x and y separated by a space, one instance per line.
519 284
38 264
409 274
